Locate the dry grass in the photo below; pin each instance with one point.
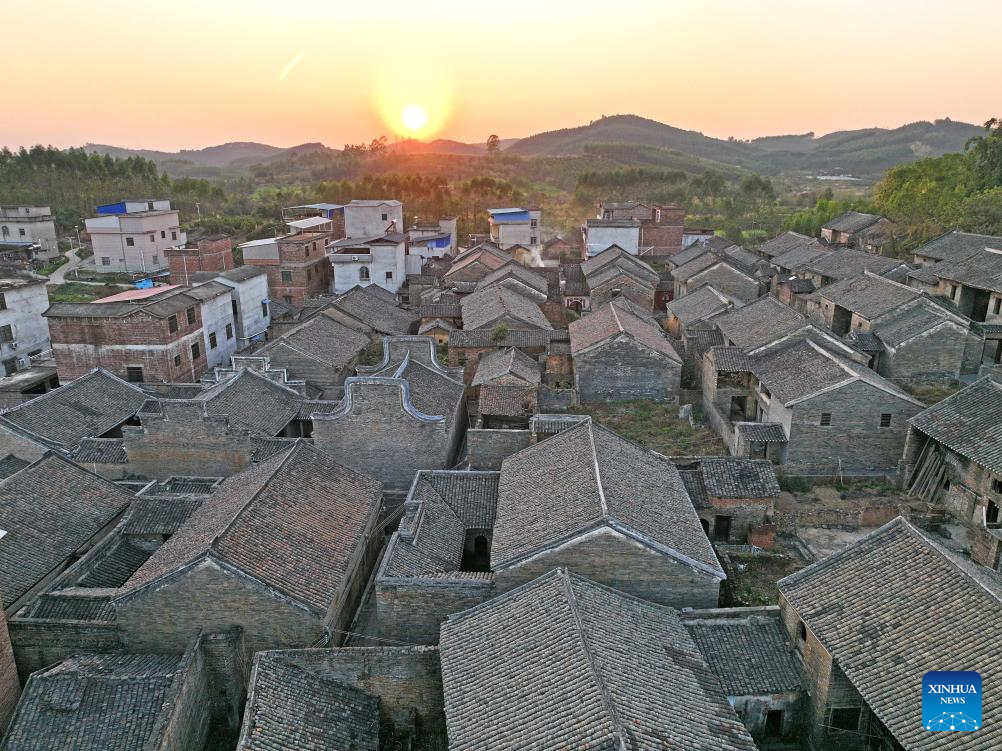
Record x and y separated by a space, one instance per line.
931 393
74 292
656 426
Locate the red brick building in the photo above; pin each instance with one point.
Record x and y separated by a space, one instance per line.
661 227
297 264
149 335
209 254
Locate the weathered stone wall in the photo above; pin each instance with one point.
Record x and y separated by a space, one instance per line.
488 448
624 369
609 558
934 355
10 688
38 643
411 611
744 514
184 721
227 673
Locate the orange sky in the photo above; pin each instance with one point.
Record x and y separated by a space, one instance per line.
191 73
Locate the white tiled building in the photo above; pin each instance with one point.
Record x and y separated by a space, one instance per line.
132 236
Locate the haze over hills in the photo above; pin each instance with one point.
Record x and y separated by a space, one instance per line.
633 140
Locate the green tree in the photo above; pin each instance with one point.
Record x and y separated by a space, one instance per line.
984 156
493 144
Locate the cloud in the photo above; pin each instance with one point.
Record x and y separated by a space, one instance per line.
290 65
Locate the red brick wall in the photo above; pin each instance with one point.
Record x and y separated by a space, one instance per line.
10 688
299 287
139 340
661 236
209 255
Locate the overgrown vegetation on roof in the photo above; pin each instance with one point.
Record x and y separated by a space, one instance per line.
656 426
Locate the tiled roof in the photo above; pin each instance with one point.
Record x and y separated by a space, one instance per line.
701 340
982 270
512 338
760 322
292 522
49 510
87 407
509 365
900 326
864 341
689 254
114 565
485 306
697 264
895 605
575 284
869 295
432 391
498 400
440 310
851 221
95 703
513 270
436 323
101 451
614 319
603 481
731 360
292 706
321 340
968 422
487 256
63 606
616 256
252 402
955 246
563 663
695 487
159 516
845 263
11 464
765 432
737 477
783 243
798 256
371 309
750 655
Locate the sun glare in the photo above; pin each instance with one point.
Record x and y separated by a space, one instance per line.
414 117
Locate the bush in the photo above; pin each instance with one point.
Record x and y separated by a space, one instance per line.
793 484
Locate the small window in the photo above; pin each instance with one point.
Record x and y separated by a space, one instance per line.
163 234
134 374
826 419
149 205
191 314
229 331
130 241
998 305
177 361
532 222
173 235
3 302
533 240
385 217
992 513
212 340
6 333
264 309
286 276
885 419
20 231
845 718
309 275
363 273
801 633
153 238
196 351
172 324
997 486
389 276
287 299
105 261
234 308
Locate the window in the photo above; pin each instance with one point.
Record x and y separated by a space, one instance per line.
997 486
774 723
163 234
130 241
845 718
156 260
196 351
389 276
533 240
191 314
826 419
286 276
3 301
177 361
20 231
264 308
236 310
885 419
998 305
6 333
384 217
229 331
363 273
992 513
173 235
153 238
309 275
172 324
212 340
287 299
149 205
532 223
105 261
801 636
134 374
953 290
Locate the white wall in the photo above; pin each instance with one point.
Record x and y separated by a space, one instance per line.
600 238
364 221
216 313
25 306
33 225
151 236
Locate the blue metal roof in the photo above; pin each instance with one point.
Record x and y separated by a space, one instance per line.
111 208
509 215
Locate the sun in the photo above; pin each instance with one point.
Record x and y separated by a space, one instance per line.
414 117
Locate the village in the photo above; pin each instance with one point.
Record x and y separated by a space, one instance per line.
372 484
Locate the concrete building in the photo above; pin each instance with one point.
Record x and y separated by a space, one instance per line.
373 218
638 228
30 224
361 261
249 304
516 226
24 331
297 265
133 236
600 234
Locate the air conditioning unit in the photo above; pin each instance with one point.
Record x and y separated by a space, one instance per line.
12 345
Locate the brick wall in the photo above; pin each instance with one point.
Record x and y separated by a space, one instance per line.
10 688
212 254
609 558
39 643
488 448
661 236
624 369
184 722
934 355
631 289
412 610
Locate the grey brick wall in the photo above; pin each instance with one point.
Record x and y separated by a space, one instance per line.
624 369
38 644
411 611
935 355
488 448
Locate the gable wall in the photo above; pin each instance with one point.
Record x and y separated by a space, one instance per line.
624 369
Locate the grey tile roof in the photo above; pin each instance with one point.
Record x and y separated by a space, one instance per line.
737 477
864 341
439 310
512 338
968 422
115 564
95 703
701 340
87 407
513 270
613 320
101 451
697 264
796 257
955 246
563 663
750 655
159 516
45 523
982 270
765 432
851 221
509 365
898 327
689 254
783 243
844 263
431 391
294 706
614 260
485 306
252 402
760 322
371 309
895 605
575 284
695 487
321 340
603 480
731 360
61 605
498 400
869 295
292 522
11 464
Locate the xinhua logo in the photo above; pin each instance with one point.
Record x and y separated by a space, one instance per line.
951 700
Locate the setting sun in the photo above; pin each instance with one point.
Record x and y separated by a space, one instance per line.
414 118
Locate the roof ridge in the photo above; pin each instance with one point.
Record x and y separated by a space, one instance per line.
564 580
598 472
